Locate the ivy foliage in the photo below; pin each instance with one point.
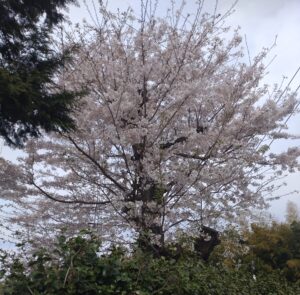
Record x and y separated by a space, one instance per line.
75 266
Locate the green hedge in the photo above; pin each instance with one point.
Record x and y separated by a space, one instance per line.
74 266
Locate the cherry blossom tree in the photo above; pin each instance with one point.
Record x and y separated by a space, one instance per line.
174 132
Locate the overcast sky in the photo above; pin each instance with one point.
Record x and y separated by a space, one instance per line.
261 21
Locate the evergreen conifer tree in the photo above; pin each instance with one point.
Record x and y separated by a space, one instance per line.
30 101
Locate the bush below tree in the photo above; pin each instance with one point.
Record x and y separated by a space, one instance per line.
75 266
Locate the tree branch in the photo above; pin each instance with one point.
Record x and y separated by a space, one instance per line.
166 145
67 201
97 164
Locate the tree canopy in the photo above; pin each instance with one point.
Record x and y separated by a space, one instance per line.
174 132
30 100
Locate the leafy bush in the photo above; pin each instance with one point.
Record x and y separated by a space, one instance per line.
75 266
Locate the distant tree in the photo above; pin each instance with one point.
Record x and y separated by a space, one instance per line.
174 132
30 100
271 244
295 243
275 247
292 212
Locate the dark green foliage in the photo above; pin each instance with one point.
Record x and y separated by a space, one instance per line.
295 239
276 248
29 99
74 266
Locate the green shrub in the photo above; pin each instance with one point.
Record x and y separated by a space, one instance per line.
75 266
